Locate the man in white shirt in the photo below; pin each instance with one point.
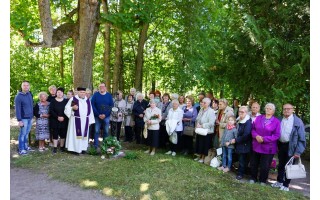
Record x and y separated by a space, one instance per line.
292 142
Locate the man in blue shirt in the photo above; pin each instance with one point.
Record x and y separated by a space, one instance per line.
24 112
102 103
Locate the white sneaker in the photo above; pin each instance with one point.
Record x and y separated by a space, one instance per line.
173 153
169 152
284 188
152 153
201 161
148 151
196 159
276 185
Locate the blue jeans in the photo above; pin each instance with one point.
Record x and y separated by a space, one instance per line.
98 123
227 154
24 133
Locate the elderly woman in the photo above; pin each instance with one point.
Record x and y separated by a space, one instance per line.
59 120
138 111
243 140
41 112
128 119
190 114
164 106
116 118
224 112
175 115
265 134
152 117
205 119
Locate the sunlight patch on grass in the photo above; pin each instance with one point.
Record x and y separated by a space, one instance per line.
88 183
164 160
161 195
144 187
145 197
296 187
107 191
15 155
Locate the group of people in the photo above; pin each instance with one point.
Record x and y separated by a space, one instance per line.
166 121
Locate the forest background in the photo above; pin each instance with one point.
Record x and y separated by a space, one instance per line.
238 49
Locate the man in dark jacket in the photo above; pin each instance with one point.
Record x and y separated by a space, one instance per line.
24 112
292 142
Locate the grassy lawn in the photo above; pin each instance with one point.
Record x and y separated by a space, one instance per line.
147 177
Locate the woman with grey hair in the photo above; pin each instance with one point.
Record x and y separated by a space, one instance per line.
138 110
205 119
175 115
41 112
152 117
265 134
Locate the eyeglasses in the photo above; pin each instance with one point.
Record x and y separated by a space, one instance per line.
287 108
241 111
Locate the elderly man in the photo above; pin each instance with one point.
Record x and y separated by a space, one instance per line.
292 142
255 111
23 103
79 112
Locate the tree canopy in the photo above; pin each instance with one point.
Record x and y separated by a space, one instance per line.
238 49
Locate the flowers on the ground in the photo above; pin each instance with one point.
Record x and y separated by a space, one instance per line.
110 146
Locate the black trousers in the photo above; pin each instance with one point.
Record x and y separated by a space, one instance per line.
116 129
128 133
176 147
163 137
262 161
283 159
138 131
187 143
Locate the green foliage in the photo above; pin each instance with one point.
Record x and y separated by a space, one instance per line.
110 146
131 155
238 49
92 151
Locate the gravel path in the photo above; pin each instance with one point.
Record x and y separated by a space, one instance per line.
25 184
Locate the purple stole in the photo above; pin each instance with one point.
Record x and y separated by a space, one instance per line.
78 119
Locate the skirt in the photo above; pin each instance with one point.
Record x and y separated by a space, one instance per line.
203 144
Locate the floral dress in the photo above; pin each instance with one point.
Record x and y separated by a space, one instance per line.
42 124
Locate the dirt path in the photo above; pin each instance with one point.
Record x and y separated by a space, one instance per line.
25 184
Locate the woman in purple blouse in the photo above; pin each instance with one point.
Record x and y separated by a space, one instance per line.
265 134
190 114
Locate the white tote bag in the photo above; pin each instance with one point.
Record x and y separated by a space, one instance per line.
295 171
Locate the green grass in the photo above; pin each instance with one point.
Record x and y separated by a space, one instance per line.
145 177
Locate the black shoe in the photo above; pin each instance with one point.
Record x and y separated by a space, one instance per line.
239 177
62 150
54 151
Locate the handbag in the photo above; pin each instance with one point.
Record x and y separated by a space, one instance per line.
145 131
210 156
295 171
215 162
188 130
202 131
173 138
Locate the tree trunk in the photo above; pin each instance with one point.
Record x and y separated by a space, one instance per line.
139 58
107 48
84 40
118 60
46 22
61 62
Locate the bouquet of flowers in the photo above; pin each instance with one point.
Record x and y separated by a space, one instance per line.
110 147
155 116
